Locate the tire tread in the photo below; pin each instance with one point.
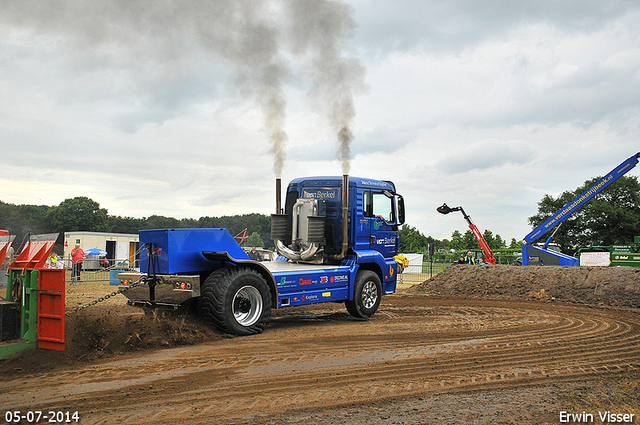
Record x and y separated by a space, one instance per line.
215 293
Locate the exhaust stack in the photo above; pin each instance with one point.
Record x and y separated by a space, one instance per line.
278 196
345 219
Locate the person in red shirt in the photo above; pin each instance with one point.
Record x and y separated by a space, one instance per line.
77 257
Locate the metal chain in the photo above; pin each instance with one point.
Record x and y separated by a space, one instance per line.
142 280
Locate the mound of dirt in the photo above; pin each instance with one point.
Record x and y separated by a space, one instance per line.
121 329
107 331
613 286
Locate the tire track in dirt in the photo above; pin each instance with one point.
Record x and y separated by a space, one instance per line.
323 359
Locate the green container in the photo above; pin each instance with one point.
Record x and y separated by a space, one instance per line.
27 281
625 259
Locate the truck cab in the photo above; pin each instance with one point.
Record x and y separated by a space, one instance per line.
334 214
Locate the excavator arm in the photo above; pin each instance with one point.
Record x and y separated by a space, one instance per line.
488 254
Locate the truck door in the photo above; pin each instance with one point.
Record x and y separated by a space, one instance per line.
379 210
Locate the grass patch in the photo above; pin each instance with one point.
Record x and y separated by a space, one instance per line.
617 396
93 285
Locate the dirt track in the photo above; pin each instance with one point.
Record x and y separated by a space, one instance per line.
419 360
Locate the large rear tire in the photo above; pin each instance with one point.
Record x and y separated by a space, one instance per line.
367 295
236 300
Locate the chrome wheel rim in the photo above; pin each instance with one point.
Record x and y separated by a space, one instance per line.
369 294
247 305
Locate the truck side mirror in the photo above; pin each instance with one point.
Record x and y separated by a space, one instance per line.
400 204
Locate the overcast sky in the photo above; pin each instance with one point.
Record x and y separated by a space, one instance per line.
189 109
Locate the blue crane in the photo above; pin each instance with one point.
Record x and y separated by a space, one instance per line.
536 255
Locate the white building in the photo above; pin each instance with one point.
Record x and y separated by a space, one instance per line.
121 248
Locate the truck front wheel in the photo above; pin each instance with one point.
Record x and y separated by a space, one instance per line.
367 295
237 300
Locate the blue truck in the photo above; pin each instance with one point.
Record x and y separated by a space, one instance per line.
336 238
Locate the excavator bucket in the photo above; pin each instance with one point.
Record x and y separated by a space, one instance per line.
444 209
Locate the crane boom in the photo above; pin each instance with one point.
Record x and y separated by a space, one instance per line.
564 212
488 254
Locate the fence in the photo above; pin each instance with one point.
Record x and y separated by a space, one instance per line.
431 266
98 271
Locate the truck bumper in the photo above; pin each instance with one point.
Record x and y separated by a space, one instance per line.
170 289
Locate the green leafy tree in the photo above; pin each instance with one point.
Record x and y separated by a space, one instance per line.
84 214
494 242
130 225
260 224
460 242
78 214
254 240
161 222
612 217
411 240
254 222
189 223
514 244
469 240
457 243
20 220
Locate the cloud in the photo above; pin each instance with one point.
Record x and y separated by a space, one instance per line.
162 107
152 45
452 26
484 155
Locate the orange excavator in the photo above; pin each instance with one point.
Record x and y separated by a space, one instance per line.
488 255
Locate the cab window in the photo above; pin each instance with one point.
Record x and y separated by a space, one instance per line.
378 204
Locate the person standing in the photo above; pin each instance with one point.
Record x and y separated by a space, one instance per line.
469 258
53 262
254 254
77 257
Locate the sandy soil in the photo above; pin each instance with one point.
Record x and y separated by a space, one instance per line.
613 286
473 345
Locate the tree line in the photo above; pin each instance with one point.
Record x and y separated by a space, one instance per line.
82 214
611 218
412 241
